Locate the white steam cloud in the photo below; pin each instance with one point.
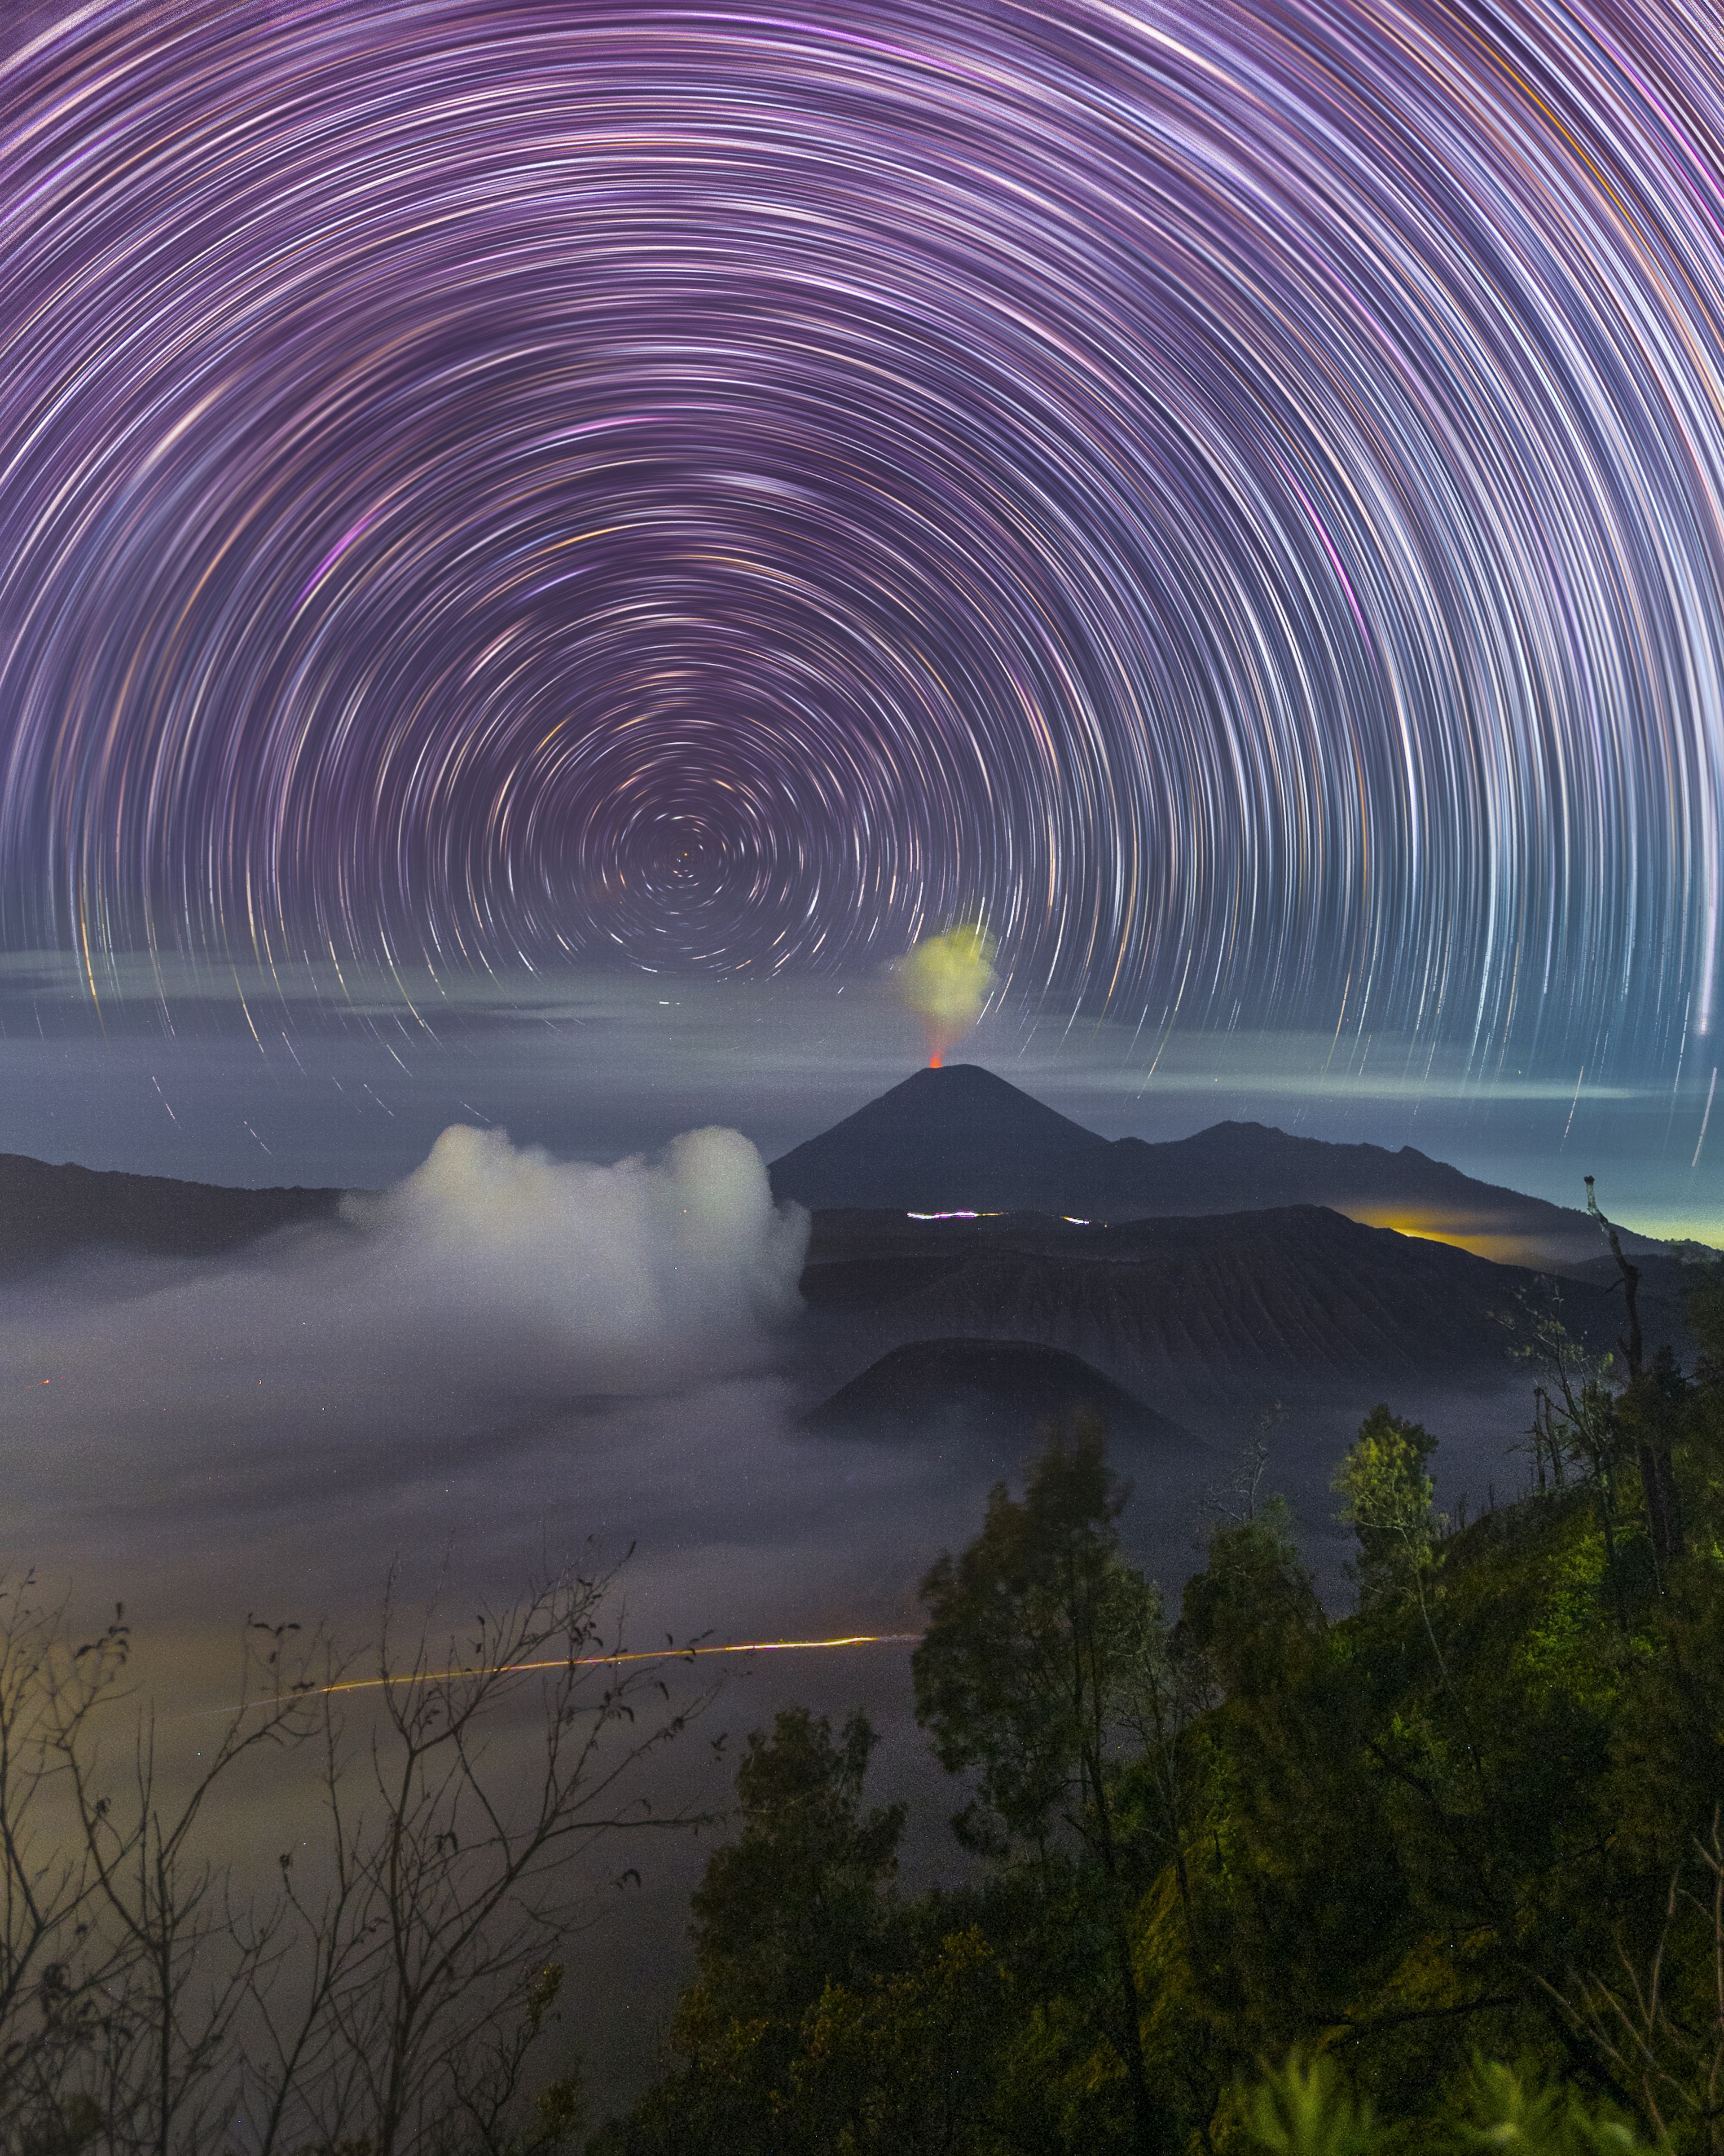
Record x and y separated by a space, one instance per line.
630 1278
492 1282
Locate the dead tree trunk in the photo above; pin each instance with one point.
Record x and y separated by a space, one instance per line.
1664 1517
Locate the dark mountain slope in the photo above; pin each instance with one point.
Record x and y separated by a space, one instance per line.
951 1137
1235 1165
1201 1314
46 1212
962 1137
1003 1390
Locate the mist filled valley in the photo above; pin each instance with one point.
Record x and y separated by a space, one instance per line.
760 1415
505 1349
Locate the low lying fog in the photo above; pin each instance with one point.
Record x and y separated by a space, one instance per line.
504 1364
503 1356
504 1350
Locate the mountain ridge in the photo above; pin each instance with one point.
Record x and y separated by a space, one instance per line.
1206 1314
963 1137
957 1138
48 1210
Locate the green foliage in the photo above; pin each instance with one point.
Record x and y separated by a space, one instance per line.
908 2065
1036 1633
1252 1610
1476 1819
558 2112
1523 2110
794 1902
1307 2110
1385 1496
1043 1651
795 1908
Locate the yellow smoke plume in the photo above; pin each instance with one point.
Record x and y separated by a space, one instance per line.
945 981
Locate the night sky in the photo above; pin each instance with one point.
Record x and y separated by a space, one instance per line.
516 509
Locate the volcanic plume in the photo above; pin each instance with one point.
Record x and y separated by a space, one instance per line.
947 980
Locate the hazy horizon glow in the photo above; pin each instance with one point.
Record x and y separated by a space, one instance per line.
268 1078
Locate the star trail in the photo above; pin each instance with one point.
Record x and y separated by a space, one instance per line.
1226 497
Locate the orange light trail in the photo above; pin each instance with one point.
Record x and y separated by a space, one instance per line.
589 1662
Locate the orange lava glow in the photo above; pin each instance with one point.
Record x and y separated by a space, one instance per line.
933 1065
1484 1235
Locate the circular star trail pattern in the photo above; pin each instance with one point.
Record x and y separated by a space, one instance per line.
1229 495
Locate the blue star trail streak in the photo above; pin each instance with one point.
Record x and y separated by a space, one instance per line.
1228 496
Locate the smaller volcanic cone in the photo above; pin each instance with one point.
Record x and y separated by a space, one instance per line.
947 979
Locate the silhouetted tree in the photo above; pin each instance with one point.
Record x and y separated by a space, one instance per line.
795 1908
1039 1637
387 1994
1650 1407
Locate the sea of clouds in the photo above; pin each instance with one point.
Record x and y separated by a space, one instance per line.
504 1365
490 1271
502 1362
